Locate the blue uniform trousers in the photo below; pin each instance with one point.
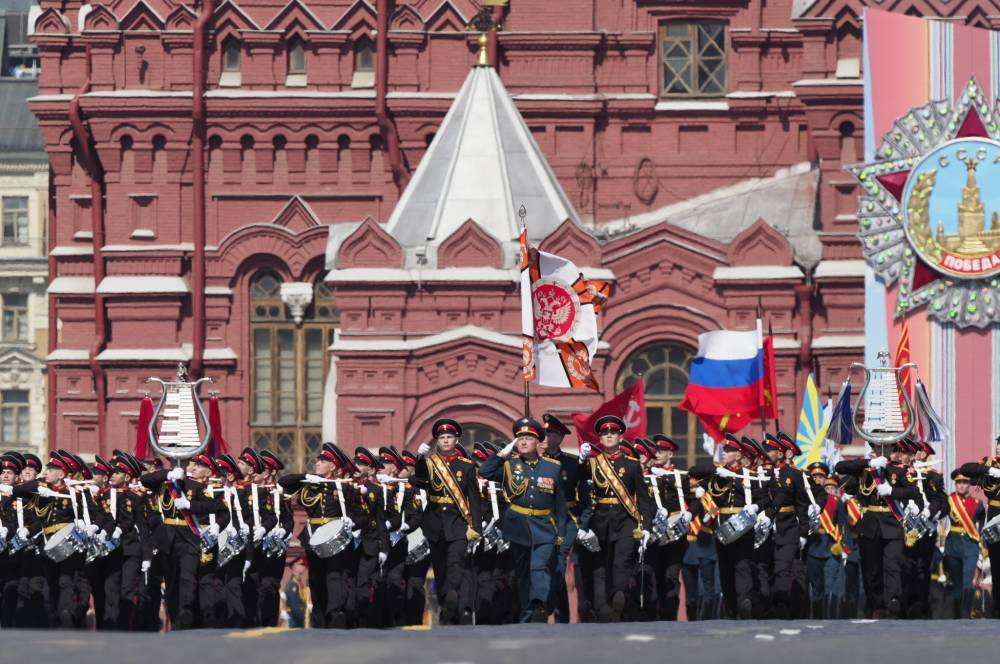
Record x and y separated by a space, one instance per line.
533 570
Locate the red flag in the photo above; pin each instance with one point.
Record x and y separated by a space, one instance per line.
770 380
630 405
902 357
717 426
142 428
217 445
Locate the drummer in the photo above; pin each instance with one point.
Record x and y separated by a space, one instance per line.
536 516
986 474
415 570
401 517
329 499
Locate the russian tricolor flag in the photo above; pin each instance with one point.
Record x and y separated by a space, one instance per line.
727 379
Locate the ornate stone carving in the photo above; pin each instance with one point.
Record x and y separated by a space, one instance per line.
297 296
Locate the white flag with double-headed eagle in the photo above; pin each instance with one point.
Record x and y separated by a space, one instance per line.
558 319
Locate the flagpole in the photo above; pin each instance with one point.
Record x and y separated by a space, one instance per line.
527 398
763 404
522 213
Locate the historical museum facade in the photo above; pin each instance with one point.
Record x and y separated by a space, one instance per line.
228 193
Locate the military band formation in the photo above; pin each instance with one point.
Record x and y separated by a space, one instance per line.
750 537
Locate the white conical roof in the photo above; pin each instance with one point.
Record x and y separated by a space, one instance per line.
483 164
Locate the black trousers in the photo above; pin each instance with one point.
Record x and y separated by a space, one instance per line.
368 596
34 595
70 584
394 587
10 578
917 578
585 572
448 561
614 566
416 593
667 574
737 573
331 587
882 572
994 552
269 590
212 610
181 564
151 595
785 589
121 591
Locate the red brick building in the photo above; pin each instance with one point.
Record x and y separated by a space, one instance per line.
204 156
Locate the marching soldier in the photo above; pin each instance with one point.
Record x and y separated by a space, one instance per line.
327 497
698 567
374 549
623 514
827 546
415 571
452 520
880 487
578 513
736 491
402 517
260 518
536 515
961 548
187 510
790 516
670 486
272 567
10 563
130 560
986 474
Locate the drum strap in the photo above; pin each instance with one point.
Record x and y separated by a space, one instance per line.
437 466
747 498
602 463
340 499
423 499
256 505
385 496
19 508
809 489
238 507
276 497
72 501
114 503
656 492
493 501
680 490
400 497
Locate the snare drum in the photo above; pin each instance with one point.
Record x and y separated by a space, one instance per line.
64 543
735 528
230 545
417 547
990 534
330 539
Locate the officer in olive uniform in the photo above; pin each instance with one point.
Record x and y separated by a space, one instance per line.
536 517
578 512
881 488
452 519
961 549
986 475
623 514
331 579
177 541
733 493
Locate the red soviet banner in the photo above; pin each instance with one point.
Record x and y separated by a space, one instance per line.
630 405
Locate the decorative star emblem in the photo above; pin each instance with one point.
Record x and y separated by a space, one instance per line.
926 214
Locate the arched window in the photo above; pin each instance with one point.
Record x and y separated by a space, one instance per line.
664 368
231 52
288 368
364 64
480 433
296 57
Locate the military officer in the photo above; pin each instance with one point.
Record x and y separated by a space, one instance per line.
536 516
452 519
986 474
127 563
881 487
578 511
827 545
961 548
623 514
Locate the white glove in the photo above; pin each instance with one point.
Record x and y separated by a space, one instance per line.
348 524
3 533
388 525
878 462
423 450
845 497
884 489
279 532
212 529
144 567
656 470
6 488
382 557
814 510
314 479
662 512
92 530
45 492
176 473
764 521
81 524
686 516
94 489
362 489
117 534
404 527
926 512
22 533
245 529
508 448
584 452
258 533
583 535
182 503
802 543
994 471
101 535
699 492
752 509
911 507
725 472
